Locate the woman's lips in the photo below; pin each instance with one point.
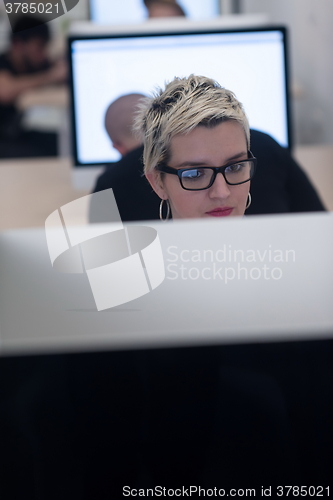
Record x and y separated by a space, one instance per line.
220 212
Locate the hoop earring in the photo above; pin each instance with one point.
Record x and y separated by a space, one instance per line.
249 199
168 209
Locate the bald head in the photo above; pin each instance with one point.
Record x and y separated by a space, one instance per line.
163 8
119 119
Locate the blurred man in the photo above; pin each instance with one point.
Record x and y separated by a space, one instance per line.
25 66
119 119
135 198
163 8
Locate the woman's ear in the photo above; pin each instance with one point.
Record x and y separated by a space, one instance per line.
154 179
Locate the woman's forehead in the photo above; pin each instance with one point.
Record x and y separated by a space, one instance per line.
208 144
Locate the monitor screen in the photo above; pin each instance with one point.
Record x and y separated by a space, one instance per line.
134 11
251 63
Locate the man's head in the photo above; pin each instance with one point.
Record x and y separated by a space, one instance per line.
163 8
185 104
119 120
29 41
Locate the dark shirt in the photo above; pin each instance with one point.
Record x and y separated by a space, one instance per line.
135 197
279 185
10 116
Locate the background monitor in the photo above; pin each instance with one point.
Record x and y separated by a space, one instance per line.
250 62
134 11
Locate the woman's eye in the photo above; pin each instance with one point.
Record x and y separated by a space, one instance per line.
234 168
196 173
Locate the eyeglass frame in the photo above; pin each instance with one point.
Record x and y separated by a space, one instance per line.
216 170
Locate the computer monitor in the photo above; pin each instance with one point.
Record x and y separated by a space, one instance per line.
205 380
277 270
134 11
250 62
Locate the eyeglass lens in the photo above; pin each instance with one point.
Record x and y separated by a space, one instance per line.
200 178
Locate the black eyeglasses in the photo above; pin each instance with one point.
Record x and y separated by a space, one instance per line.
198 178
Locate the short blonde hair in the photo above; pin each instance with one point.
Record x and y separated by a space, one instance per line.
185 104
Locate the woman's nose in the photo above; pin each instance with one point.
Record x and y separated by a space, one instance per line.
220 188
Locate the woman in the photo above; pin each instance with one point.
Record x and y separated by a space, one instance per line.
193 131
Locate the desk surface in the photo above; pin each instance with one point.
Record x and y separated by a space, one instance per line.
56 96
31 189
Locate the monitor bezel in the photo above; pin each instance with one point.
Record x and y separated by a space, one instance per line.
165 32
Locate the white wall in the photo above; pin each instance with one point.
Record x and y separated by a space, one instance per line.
311 32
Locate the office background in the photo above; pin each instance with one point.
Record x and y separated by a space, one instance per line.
311 70
311 62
